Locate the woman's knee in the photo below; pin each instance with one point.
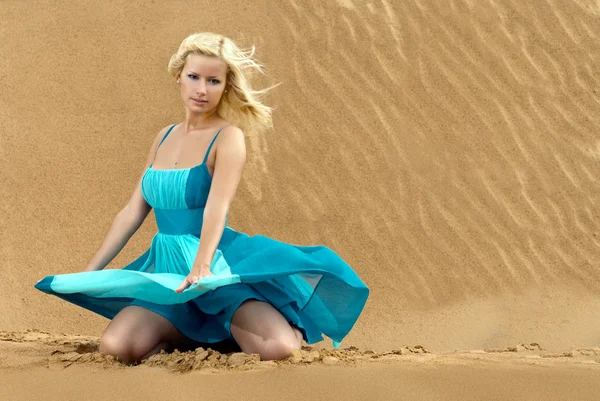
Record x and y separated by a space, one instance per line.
135 332
281 348
273 348
259 328
121 347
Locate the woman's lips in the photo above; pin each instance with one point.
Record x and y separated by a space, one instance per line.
200 101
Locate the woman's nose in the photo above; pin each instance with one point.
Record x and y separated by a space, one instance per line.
202 86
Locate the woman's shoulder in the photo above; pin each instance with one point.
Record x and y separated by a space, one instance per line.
162 132
228 127
230 133
231 138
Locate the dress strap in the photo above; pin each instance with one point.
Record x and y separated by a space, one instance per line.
210 146
161 141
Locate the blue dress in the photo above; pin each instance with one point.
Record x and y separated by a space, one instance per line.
311 286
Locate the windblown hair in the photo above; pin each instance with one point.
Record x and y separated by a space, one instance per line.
240 104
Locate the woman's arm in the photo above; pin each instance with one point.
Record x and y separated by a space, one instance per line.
229 164
127 221
122 229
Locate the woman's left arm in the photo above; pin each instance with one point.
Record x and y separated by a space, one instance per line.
230 159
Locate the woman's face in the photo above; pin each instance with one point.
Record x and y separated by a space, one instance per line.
202 82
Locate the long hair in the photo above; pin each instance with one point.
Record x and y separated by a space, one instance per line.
240 104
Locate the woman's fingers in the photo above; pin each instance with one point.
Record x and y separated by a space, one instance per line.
192 278
183 286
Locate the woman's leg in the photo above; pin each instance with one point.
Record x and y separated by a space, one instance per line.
137 333
259 328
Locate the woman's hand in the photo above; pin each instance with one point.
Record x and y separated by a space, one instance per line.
195 275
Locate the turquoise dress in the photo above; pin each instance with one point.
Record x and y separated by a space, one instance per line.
312 287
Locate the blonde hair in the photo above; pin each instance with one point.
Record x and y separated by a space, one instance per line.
240 104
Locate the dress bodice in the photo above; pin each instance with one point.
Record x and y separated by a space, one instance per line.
177 188
178 196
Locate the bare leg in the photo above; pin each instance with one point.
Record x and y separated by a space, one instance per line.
259 328
159 347
298 334
136 333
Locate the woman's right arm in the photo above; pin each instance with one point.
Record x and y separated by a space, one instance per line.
127 221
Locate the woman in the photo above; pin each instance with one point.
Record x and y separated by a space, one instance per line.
200 280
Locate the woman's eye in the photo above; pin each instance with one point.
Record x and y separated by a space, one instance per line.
212 81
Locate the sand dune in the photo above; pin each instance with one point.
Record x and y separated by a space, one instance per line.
448 150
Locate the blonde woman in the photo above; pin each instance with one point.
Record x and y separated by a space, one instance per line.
201 281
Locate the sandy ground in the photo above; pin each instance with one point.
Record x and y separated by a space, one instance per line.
39 365
448 150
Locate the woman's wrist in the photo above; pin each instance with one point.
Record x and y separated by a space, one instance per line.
201 265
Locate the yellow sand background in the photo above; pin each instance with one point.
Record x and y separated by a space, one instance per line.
448 150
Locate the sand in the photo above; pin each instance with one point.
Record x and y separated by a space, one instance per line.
40 365
447 150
